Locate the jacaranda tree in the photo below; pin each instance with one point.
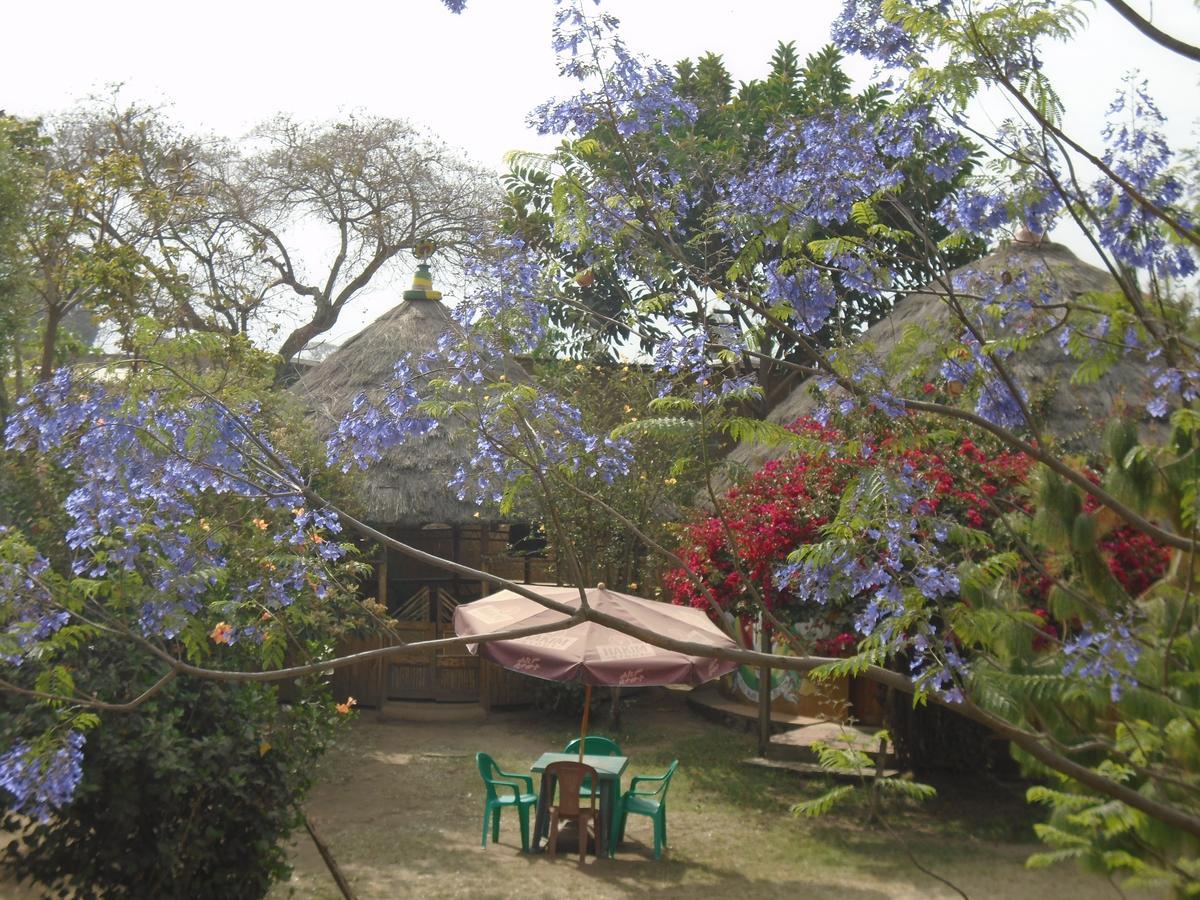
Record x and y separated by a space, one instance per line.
1109 716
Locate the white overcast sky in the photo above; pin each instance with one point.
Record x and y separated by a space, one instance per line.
223 66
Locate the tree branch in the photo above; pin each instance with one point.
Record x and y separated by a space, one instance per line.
1160 37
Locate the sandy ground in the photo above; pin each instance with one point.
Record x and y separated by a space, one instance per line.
400 804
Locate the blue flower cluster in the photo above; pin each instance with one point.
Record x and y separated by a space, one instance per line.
513 438
26 606
861 28
140 469
816 169
466 378
1137 152
619 87
41 783
1171 383
997 404
1108 654
808 292
685 360
506 286
369 430
893 573
973 210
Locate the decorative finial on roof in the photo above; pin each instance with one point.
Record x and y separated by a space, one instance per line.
1026 235
422 284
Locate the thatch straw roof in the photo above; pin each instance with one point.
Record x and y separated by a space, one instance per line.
408 487
1069 411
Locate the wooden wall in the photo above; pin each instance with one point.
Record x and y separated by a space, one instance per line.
422 597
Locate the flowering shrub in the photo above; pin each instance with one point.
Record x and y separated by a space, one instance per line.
742 556
786 503
1135 559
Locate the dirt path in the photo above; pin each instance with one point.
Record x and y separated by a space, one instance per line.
401 803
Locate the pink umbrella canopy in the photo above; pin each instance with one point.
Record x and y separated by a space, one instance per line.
591 653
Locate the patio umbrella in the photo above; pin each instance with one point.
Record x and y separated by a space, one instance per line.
592 653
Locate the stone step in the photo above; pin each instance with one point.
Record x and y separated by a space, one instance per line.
796 744
710 703
809 769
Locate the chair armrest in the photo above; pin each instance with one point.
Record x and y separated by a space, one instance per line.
635 793
525 778
509 784
659 780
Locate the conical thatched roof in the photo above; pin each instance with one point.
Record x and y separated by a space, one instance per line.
409 486
1069 411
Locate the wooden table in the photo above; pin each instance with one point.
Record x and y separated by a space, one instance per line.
608 769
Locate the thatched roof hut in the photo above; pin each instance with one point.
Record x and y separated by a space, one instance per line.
408 487
1069 411
407 495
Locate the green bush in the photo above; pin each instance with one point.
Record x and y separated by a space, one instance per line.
190 796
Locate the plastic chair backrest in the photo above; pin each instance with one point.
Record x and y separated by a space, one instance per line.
595 744
487 766
661 793
666 782
570 777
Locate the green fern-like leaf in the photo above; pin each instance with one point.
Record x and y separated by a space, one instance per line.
912 790
819 806
759 431
666 427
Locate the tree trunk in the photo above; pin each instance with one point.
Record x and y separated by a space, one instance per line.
49 340
3 392
18 367
299 339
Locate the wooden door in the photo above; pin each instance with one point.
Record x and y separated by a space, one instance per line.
444 673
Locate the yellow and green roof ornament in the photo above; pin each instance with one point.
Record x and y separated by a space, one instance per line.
422 283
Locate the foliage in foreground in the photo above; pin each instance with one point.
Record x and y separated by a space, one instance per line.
178 787
193 796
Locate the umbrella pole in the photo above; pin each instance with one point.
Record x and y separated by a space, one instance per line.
587 708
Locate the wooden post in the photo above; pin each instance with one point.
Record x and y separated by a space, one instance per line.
485 535
456 555
764 690
485 673
384 667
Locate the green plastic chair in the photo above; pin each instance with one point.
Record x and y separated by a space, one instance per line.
597 745
495 802
648 803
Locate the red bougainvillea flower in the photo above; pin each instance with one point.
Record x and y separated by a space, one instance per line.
786 503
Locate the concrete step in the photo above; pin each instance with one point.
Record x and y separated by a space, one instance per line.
712 704
796 743
423 711
809 770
